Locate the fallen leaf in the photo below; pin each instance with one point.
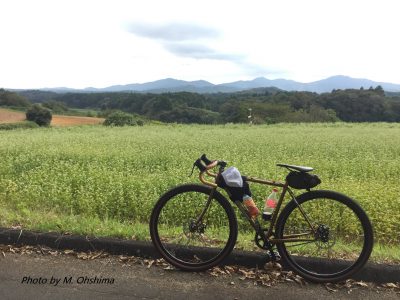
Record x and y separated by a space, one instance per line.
332 290
361 283
150 263
390 285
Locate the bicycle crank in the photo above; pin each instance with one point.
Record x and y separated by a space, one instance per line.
265 244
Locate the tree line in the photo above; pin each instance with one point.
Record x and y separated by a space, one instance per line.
265 105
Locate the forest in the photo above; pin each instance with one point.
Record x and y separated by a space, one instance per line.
265 105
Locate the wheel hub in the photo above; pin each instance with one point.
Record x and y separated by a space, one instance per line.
324 237
195 227
323 233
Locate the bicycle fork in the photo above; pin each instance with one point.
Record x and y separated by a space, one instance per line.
200 218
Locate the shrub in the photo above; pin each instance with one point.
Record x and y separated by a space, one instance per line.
55 106
39 114
19 125
119 118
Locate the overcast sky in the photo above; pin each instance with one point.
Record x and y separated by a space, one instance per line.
102 43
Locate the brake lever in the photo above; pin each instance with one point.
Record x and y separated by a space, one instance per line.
198 164
194 165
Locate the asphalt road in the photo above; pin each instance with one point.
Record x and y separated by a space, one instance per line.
38 276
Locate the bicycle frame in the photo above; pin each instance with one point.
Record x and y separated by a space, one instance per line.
268 237
205 233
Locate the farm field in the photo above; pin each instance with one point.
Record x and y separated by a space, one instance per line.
10 116
104 181
59 120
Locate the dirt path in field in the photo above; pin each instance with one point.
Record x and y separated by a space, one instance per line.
9 116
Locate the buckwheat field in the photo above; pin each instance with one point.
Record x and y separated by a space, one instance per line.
104 181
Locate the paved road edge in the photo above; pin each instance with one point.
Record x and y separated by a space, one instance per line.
379 273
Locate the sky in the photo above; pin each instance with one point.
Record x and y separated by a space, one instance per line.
86 43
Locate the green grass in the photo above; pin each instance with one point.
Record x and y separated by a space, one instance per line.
104 181
18 125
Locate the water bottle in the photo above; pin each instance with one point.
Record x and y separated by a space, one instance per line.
252 209
270 204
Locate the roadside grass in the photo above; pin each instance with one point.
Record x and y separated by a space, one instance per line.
96 227
73 224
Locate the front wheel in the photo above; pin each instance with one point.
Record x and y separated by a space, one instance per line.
336 245
192 230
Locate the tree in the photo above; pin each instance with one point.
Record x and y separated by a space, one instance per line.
39 114
119 118
379 90
55 106
12 99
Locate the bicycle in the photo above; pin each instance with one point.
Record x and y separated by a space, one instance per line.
324 236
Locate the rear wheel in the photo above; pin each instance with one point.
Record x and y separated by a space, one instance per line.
339 244
184 237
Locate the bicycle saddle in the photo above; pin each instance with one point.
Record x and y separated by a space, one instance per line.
297 168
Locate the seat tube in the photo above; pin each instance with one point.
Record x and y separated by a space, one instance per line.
277 209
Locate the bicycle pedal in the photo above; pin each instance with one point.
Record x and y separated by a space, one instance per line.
269 261
277 256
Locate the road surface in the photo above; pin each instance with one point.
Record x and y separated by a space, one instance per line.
64 276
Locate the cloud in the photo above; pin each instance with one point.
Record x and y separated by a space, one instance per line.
175 32
182 39
190 40
199 51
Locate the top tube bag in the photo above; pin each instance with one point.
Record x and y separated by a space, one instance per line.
234 184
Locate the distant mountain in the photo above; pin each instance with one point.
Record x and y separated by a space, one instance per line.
345 82
202 86
163 85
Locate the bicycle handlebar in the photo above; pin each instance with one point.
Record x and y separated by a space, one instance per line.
209 164
199 165
205 159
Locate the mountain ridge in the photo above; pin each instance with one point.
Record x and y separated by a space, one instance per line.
203 86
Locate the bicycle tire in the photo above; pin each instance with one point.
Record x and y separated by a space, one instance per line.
353 242
165 221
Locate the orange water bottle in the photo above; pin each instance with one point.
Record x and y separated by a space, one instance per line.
252 209
270 205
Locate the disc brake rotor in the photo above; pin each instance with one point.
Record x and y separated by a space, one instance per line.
324 237
192 227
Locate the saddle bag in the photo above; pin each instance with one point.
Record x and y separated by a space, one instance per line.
302 180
